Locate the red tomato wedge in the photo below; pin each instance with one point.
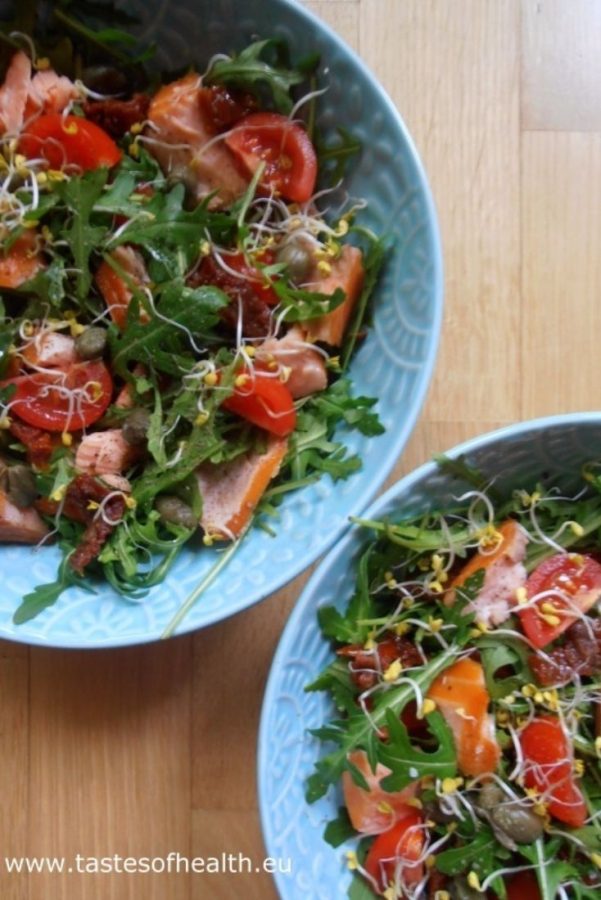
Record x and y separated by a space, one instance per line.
461 695
58 400
259 283
373 811
571 583
284 147
69 140
394 854
265 401
548 767
523 886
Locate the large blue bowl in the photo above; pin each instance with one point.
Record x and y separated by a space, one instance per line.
553 449
395 362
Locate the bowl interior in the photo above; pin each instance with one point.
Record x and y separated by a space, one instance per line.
551 450
394 363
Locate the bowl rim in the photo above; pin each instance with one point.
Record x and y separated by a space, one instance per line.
344 547
423 381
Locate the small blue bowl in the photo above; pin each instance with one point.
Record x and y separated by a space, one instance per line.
394 363
552 449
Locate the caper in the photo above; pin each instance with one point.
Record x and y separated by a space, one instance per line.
490 795
433 810
518 822
459 889
298 257
175 511
135 426
91 343
104 79
21 488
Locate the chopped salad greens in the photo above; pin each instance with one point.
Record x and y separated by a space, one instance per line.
176 313
467 734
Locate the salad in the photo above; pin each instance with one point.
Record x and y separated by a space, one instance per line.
181 290
467 739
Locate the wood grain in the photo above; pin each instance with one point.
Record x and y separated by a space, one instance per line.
151 750
561 65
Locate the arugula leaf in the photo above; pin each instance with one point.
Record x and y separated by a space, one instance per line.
49 283
172 234
45 595
360 889
459 468
357 728
181 314
346 627
338 404
310 446
481 850
79 195
408 762
550 871
259 69
301 305
373 261
497 652
336 679
339 829
198 447
8 330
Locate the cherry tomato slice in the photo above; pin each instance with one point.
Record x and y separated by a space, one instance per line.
264 401
284 147
58 400
572 585
523 886
69 140
259 283
548 767
396 851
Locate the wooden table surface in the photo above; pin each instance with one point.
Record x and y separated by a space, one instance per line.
150 750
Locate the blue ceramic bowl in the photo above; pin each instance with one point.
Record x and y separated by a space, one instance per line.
517 456
395 362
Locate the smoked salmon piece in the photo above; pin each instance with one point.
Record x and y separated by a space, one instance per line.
116 293
50 348
461 696
21 526
49 93
179 131
505 573
21 262
231 491
14 93
347 273
23 97
375 810
105 453
307 367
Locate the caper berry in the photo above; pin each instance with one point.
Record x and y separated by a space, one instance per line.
490 795
91 343
21 488
433 810
175 511
104 79
135 426
298 257
518 822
